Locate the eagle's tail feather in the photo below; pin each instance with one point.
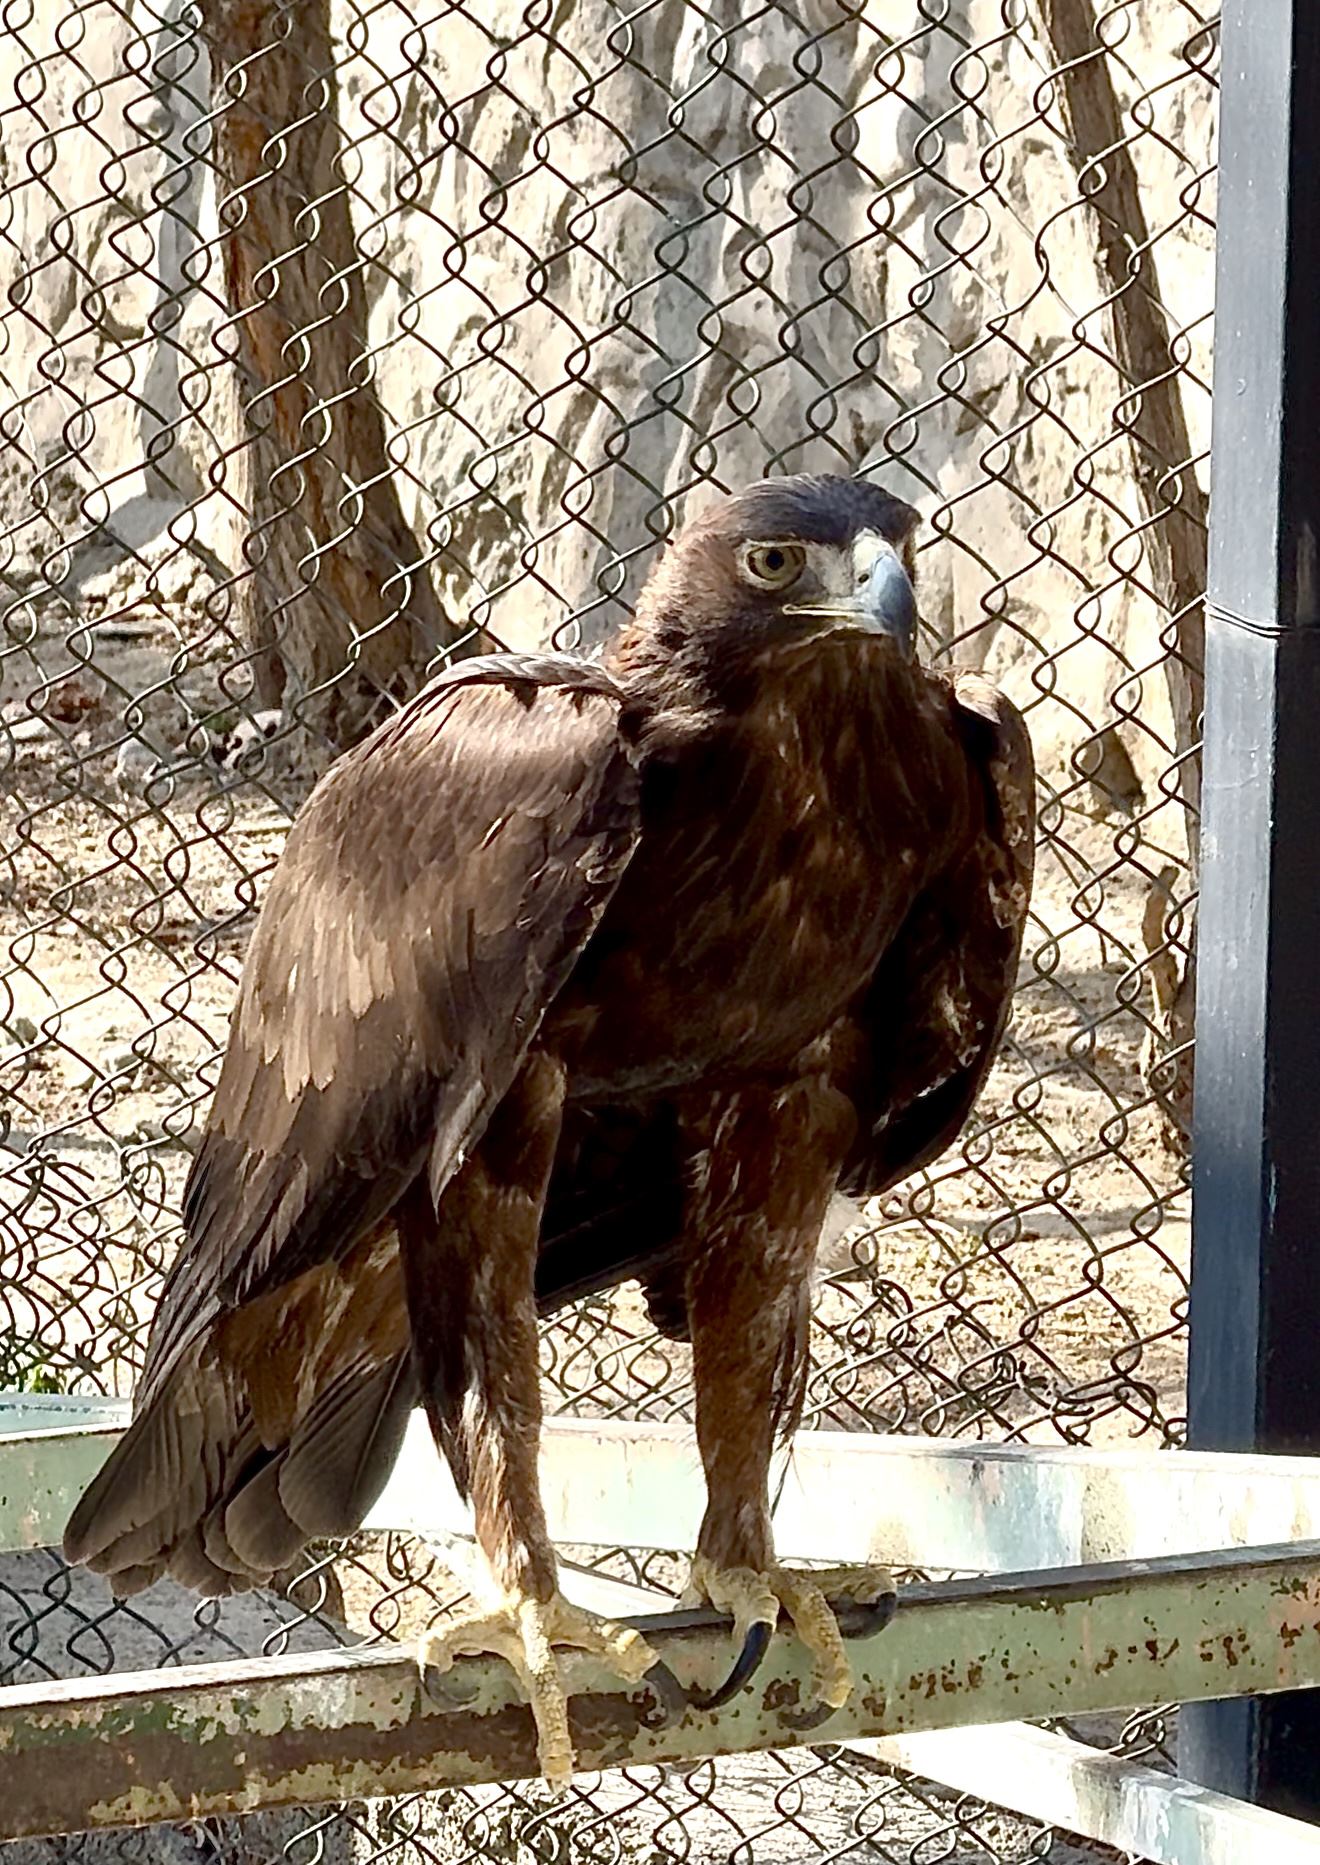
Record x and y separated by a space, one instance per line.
322 1483
154 1486
250 1529
190 1489
190 1564
344 1447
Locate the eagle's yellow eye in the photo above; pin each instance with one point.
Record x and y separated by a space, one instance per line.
773 566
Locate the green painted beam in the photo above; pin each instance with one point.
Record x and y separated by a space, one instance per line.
46 1461
129 1750
1063 1783
846 1496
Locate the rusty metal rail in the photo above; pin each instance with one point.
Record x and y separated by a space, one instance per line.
234 1738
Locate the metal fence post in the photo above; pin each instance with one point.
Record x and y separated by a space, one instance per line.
1254 1374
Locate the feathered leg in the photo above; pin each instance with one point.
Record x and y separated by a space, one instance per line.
469 1276
767 1166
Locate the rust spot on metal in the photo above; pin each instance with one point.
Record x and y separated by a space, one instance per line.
600 1721
784 1694
127 1779
1290 1587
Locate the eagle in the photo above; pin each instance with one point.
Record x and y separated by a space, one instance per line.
580 971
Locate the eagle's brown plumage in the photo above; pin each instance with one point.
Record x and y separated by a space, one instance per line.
572 973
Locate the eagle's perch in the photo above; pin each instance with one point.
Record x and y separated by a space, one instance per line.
573 973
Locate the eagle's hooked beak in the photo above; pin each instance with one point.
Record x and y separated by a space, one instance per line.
884 603
887 603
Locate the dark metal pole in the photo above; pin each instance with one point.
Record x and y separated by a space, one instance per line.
1254 1381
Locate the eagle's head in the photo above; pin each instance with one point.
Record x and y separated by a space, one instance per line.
784 562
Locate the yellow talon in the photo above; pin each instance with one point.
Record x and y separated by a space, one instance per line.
752 1598
524 1632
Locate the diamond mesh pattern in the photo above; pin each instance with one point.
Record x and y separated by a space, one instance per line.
339 338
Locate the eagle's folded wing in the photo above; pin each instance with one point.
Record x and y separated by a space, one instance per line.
430 902
938 1005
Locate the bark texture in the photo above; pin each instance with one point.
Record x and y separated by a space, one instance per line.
1174 503
339 608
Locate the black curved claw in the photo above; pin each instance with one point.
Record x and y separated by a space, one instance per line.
856 1619
672 1697
745 1667
864 1618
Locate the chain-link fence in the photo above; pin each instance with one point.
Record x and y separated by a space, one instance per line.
338 338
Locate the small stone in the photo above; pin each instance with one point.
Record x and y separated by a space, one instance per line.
240 748
27 730
74 697
135 766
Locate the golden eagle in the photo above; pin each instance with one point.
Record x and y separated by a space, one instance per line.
575 972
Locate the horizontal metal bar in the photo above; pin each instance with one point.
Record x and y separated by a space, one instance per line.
46 1411
910 1501
845 1496
1151 1816
1070 1497
127 1750
1049 1777
45 1464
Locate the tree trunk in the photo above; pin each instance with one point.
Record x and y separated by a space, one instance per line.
338 607
1175 506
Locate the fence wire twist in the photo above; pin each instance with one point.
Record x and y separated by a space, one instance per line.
339 338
